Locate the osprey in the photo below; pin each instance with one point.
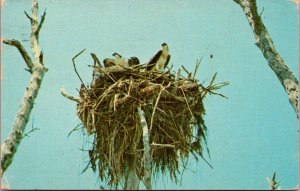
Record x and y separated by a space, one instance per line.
161 59
108 62
133 61
119 60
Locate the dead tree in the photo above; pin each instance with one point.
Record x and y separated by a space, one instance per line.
37 70
265 44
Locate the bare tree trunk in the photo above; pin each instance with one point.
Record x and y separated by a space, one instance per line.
37 70
132 181
265 44
147 159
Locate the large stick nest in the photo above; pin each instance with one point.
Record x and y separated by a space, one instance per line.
174 110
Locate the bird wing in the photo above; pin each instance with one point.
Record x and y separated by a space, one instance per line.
153 60
167 61
108 62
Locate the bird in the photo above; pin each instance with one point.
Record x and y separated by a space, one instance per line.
133 61
161 59
108 62
119 60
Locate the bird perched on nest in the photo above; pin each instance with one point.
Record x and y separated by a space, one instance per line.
120 61
133 61
161 59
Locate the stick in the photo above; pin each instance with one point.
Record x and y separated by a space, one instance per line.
22 51
73 60
70 97
157 100
162 145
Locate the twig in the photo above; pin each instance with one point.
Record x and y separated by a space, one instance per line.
157 100
184 167
196 68
73 60
198 63
41 22
273 183
205 160
32 129
23 52
187 102
162 145
70 97
188 73
96 60
75 129
27 134
29 17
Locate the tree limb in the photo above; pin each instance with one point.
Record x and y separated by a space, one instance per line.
41 22
34 37
265 44
70 97
10 146
29 17
22 51
147 158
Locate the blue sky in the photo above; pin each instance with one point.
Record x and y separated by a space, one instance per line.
250 135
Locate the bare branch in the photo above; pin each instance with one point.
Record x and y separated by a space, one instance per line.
163 145
96 60
41 22
42 58
37 69
70 97
265 44
29 17
73 60
147 158
22 51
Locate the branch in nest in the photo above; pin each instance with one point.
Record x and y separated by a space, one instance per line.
96 60
70 97
23 52
163 145
151 89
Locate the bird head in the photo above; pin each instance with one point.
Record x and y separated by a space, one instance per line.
165 47
116 55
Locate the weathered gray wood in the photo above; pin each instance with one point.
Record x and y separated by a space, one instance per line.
37 69
265 44
147 158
